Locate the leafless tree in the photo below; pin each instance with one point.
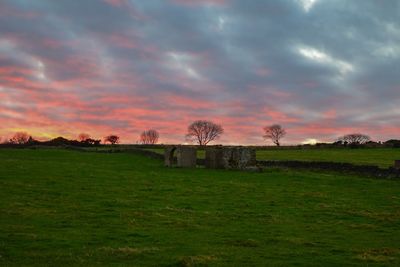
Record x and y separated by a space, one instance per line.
203 132
354 139
83 137
149 137
112 139
20 138
275 133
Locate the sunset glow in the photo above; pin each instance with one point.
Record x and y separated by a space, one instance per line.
321 69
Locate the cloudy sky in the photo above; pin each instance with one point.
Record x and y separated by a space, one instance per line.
320 68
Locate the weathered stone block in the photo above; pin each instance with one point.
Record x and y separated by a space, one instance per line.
213 159
238 158
169 159
397 164
187 157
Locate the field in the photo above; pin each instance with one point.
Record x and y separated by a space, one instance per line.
61 207
382 157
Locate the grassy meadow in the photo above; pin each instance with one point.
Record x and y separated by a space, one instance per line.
61 208
382 157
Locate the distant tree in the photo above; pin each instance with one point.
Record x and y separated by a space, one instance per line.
61 141
337 143
83 137
112 139
392 143
149 137
354 139
275 133
20 138
91 141
203 132
31 140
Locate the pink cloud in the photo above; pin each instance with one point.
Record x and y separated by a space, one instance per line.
330 114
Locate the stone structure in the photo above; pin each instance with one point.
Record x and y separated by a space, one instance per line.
169 159
218 157
185 156
213 159
397 164
238 158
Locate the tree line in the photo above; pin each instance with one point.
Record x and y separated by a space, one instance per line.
201 132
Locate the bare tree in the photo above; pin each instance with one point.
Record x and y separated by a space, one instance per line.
149 137
354 139
203 132
112 139
20 138
83 137
275 133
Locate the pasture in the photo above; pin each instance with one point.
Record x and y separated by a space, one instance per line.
382 157
61 207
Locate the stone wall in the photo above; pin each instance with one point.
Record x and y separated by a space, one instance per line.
363 170
185 156
213 159
238 158
169 159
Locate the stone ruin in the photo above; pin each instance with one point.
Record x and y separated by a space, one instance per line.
238 158
186 157
213 159
244 158
218 157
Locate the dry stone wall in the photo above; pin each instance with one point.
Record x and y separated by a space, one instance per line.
238 158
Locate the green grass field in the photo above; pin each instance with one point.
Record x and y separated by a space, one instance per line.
382 157
62 207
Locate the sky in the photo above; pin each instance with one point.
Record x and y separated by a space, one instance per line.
320 68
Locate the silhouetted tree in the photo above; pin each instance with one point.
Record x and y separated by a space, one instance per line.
83 137
91 141
275 133
149 137
112 139
20 138
32 141
203 132
354 139
61 141
392 143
